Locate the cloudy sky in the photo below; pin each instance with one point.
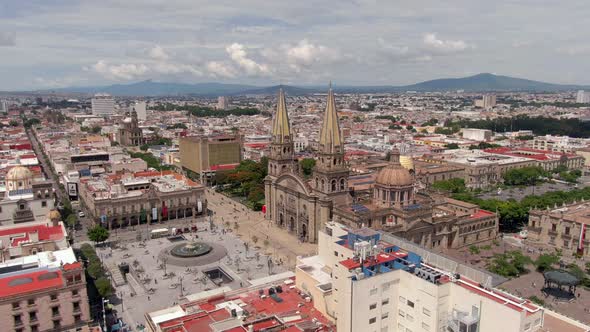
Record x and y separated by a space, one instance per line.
56 43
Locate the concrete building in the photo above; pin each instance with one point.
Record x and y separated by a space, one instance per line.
563 144
3 106
548 160
477 134
23 199
103 105
204 154
367 281
144 197
583 97
140 109
563 227
486 101
223 103
42 285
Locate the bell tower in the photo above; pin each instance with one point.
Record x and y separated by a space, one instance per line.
281 156
330 174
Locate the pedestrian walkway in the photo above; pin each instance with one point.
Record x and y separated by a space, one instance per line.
116 275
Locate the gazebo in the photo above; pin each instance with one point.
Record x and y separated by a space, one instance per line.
557 280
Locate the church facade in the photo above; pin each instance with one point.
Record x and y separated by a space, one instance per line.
303 205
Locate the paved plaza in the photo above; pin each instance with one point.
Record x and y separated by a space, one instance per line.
155 282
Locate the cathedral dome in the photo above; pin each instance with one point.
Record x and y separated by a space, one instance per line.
18 173
54 215
394 175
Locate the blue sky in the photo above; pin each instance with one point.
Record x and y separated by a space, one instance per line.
56 43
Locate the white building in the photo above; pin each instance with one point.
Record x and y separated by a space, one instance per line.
583 97
222 103
487 101
368 281
103 105
3 106
477 134
140 109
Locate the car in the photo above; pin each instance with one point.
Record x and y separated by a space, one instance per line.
81 214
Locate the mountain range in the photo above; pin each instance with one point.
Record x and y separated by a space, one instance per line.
477 83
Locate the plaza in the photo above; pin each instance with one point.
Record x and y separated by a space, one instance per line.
157 279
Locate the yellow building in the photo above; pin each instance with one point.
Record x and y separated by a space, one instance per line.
205 154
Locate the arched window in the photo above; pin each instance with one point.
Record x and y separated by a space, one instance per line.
317 182
342 184
323 184
333 185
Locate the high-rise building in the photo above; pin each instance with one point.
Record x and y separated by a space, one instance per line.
223 103
140 109
3 106
487 101
583 97
205 155
103 105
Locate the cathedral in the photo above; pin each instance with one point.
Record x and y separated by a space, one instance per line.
303 205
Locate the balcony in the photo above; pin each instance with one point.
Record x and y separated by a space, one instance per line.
535 229
552 232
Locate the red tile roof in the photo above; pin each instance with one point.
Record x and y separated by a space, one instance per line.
46 232
30 282
480 214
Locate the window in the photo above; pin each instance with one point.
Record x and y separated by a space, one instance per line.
32 316
386 286
30 302
336 253
77 318
402 313
43 203
53 297
74 293
76 306
372 320
410 304
17 320
527 326
34 328
384 328
373 306
409 317
426 312
56 324
373 291
55 311
384 315
425 326
385 302
15 305
402 299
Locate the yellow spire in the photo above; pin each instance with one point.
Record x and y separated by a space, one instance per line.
281 130
330 135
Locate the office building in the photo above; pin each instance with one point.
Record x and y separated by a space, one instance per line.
486 101
476 134
583 97
140 109
103 105
3 106
223 103
205 155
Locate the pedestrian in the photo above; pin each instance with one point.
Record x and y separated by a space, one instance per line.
149 298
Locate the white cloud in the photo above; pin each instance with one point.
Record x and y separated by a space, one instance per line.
7 38
158 53
306 53
432 43
127 71
220 70
574 50
237 53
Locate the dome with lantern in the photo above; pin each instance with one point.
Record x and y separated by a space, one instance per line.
19 178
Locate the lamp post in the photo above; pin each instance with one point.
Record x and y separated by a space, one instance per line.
104 315
180 279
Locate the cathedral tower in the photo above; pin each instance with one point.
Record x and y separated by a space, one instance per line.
281 156
330 173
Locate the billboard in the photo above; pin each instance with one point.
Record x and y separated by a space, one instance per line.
72 189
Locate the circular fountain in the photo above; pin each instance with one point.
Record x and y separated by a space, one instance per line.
191 249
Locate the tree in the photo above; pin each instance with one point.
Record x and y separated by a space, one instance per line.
103 285
510 264
254 239
95 269
96 129
307 165
98 234
546 261
524 176
455 185
13 123
452 146
71 220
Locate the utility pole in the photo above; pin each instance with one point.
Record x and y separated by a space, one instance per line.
104 315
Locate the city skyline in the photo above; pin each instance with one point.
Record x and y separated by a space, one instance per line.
73 43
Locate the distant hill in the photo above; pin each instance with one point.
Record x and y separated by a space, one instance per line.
486 82
477 83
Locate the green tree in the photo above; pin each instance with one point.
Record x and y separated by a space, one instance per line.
103 285
13 123
452 146
307 165
509 264
71 220
524 176
95 269
98 234
95 129
454 185
546 261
